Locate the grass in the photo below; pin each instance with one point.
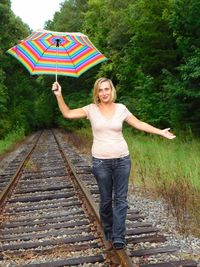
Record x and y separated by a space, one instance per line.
11 139
81 139
171 169
168 168
155 158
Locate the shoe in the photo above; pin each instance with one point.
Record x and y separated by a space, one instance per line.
119 245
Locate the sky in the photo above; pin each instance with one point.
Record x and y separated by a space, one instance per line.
35 12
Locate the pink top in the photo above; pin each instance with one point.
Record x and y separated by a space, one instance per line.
108 140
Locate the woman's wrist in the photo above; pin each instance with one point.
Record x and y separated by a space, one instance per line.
59 95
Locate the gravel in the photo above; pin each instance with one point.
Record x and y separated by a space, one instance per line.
156 212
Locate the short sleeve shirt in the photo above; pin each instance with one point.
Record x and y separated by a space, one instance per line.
108 140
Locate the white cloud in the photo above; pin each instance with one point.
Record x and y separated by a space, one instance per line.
35 12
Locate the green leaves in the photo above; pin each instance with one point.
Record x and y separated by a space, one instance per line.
153 51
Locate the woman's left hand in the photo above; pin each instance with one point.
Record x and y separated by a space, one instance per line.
166 133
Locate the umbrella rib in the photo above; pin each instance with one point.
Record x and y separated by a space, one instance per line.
70 59
42 54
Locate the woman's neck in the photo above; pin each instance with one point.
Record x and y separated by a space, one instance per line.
106 104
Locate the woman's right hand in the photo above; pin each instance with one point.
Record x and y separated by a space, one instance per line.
56 88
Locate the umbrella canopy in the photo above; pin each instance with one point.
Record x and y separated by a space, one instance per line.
63 53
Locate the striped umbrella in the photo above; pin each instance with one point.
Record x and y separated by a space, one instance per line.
58 53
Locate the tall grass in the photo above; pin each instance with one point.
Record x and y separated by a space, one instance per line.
162 159
11 139
81 139
169 168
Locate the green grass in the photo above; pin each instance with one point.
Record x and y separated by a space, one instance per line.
171 169
11 139
155 158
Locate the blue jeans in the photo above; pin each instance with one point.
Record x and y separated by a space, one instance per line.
112 176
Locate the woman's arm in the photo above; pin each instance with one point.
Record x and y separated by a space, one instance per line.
143 126
65 110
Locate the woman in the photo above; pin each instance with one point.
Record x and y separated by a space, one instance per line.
110 156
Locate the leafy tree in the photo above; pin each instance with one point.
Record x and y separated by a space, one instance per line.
4 120
139 43
70 17
7 32
18 90
184 20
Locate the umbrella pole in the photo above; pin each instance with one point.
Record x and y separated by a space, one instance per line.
57 46
57 66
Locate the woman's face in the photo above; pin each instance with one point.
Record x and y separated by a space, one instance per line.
105 92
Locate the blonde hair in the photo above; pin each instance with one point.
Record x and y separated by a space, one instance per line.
96 90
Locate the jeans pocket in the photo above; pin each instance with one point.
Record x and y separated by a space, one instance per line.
125 163
126 158
96 162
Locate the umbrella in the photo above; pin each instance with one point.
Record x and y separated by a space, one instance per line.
58 53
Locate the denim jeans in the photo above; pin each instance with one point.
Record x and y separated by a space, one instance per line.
112 176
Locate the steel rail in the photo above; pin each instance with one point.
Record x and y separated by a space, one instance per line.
10 186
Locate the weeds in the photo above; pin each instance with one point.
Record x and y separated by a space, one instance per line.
10 139
171 168
81 139
183 202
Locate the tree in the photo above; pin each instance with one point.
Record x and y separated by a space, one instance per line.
184 20
18 90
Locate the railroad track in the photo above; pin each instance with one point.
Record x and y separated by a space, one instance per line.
49 215
15 164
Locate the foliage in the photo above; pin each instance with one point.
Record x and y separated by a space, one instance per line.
74 100
4 120
19 92
70 16
185 21
153 59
